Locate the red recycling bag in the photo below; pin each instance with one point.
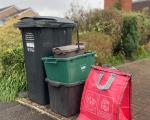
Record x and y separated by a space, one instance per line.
106 95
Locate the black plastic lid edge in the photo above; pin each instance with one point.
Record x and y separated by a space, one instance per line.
59 84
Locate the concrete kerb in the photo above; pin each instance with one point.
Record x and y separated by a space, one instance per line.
22 101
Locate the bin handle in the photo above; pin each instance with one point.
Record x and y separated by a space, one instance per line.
108 83
51 62
78 37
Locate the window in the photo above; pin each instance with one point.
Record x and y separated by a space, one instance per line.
2 22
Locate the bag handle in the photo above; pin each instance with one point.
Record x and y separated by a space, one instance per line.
115 71
108 83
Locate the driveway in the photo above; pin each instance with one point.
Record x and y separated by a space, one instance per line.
140 88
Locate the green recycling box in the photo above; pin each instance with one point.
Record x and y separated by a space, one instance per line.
69 70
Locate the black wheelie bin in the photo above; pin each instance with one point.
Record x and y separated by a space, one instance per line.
40 35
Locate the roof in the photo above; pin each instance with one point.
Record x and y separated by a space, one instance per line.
138 1
22 10
139 5
19 11
1 9
5 13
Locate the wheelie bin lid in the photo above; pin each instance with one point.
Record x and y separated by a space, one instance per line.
45 21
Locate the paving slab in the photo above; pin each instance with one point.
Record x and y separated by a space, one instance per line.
140 71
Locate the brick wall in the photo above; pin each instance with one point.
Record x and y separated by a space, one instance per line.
8 12
108 4
125 4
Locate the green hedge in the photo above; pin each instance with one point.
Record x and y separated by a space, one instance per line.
12 78
12 71
127 31
130 36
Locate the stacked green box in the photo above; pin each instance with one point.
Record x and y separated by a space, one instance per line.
69 70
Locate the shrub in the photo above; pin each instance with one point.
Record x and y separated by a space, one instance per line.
141 53
103 45
10 37
12 79
115 59
12 71
143 23
130 36
126 31
98 42
108 22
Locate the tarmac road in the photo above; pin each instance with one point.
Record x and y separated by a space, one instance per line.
15 111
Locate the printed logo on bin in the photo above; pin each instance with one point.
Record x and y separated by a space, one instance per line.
30 42
83 68
30 46
65 32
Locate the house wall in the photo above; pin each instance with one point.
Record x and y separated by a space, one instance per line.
8 12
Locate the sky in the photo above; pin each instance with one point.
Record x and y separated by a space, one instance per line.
52 7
